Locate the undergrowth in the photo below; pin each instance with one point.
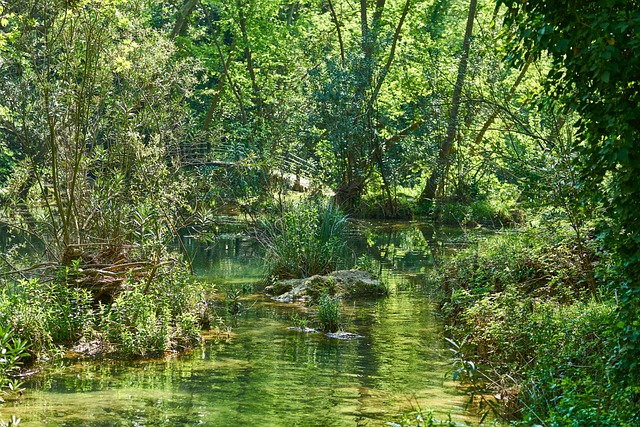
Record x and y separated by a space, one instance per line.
143 319
525 327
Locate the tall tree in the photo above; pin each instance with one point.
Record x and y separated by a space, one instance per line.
435 182
348 96
96 116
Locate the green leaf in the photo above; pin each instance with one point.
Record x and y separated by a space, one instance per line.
563 45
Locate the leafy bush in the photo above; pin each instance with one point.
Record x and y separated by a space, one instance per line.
144 318
570 382
539 264
150 320
307 239
525 328
136 325
45 314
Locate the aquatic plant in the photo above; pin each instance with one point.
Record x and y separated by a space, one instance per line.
329 313
301 323
307 239
422 418
232 299
365 263
165 316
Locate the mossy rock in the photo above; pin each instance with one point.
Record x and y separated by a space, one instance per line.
281 286
342 283
356 283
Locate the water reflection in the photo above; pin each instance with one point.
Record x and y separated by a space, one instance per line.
269 375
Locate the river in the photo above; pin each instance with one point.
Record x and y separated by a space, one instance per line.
267 374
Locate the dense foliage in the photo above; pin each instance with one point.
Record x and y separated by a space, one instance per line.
126 123
525 327
595 71
166 316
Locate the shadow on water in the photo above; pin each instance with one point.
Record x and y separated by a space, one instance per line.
270 375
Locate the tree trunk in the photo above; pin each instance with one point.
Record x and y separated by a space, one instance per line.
257 98
436 179
183 17
334 18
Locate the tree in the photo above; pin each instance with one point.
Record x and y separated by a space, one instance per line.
595 72
435 180
348 94
98 109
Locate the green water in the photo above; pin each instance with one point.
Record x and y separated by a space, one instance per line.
267 374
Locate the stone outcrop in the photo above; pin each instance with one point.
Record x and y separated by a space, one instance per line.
342 283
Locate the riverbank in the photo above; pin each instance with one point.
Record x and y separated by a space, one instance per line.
530 319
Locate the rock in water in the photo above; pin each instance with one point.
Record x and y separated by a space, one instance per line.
342 283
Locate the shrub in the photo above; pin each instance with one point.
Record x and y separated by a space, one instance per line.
135 325
45 314
538 264
148 320
144 318
307 239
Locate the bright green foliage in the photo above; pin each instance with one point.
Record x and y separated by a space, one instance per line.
97 111
595 71
329 313
571 382
12 350
539 264
6 163
142 320
168 315
422 418
307 239
45 314
526 328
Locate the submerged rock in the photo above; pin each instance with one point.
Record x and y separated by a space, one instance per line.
305 330
342 283
343 335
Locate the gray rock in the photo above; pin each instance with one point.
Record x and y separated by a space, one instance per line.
342 283
343 335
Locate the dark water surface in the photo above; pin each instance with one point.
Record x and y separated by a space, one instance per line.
268 374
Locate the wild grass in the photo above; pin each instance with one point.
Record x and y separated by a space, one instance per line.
306 239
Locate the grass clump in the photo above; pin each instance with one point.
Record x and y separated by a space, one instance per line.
329 313
308 238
